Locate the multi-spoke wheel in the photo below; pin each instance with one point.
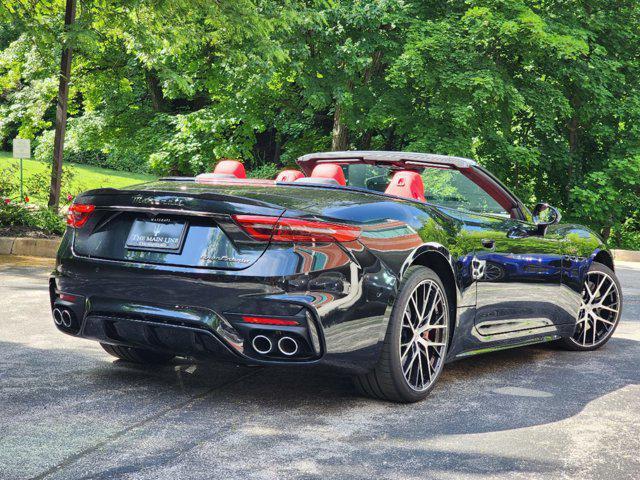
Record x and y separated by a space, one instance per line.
599 311
415 346
423 340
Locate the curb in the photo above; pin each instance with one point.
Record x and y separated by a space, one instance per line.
30 247
626 255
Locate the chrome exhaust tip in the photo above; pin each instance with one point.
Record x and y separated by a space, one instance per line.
57 316
66 319
261 344
288 346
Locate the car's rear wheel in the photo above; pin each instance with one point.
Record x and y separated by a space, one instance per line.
137 355
416 341
599 311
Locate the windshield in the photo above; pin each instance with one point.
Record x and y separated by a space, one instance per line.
447 187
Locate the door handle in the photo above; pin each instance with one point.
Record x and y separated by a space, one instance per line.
488 243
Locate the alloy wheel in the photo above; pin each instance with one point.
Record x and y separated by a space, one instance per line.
424 334
599 309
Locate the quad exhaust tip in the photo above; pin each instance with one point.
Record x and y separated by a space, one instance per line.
66 319
262 344
57 316
287 346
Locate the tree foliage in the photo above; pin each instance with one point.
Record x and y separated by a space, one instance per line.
542 92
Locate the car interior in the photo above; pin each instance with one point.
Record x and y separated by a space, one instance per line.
439 184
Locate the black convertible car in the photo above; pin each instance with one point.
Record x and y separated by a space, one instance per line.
385 265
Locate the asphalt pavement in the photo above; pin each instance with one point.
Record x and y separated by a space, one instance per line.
70 411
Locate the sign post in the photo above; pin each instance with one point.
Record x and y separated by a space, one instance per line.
21 149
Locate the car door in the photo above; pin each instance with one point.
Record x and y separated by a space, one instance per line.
517 268
518 275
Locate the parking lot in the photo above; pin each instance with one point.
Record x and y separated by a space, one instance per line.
68 410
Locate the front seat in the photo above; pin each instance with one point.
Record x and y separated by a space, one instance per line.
407 184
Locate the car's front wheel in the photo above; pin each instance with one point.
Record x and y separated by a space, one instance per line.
599 311
136 355
416 341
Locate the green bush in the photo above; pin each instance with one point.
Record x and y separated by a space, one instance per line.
91 141
9 181
267 170
36 185
627 235
41 219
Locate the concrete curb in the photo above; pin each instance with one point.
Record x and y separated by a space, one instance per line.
29 247
626 255
6 244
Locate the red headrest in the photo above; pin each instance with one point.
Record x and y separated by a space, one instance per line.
407 184
329 170
289 176
230 167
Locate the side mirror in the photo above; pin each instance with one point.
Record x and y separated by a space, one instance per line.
545 215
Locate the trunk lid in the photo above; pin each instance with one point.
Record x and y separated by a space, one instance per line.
171 223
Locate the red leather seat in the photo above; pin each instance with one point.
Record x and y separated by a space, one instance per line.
407 184
289 176
230 168
329 170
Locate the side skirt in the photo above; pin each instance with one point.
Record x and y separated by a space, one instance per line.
534 341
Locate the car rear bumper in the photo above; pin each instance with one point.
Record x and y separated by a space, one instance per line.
340 312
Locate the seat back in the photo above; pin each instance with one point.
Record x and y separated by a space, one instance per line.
289 176
228 168
407 184
329 170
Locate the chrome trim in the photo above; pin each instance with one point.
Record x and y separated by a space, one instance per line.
57 316
285 351
262 338
66 319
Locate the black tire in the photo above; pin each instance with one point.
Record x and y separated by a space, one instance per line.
387 380
137 355
569 343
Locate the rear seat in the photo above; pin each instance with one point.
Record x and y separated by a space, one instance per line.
229 169
407 184
289 176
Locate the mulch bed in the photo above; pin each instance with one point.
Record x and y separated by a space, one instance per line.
18 231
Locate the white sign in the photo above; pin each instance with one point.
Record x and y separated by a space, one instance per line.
21 148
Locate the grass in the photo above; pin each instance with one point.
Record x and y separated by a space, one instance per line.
85 177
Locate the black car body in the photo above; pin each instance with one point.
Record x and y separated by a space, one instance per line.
213 278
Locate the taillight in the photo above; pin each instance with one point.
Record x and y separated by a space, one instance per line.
79 214
269 321
67 297
295 230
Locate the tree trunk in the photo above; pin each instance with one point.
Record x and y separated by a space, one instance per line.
340 134
573 153
390 139
365 142
155 91
61 111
